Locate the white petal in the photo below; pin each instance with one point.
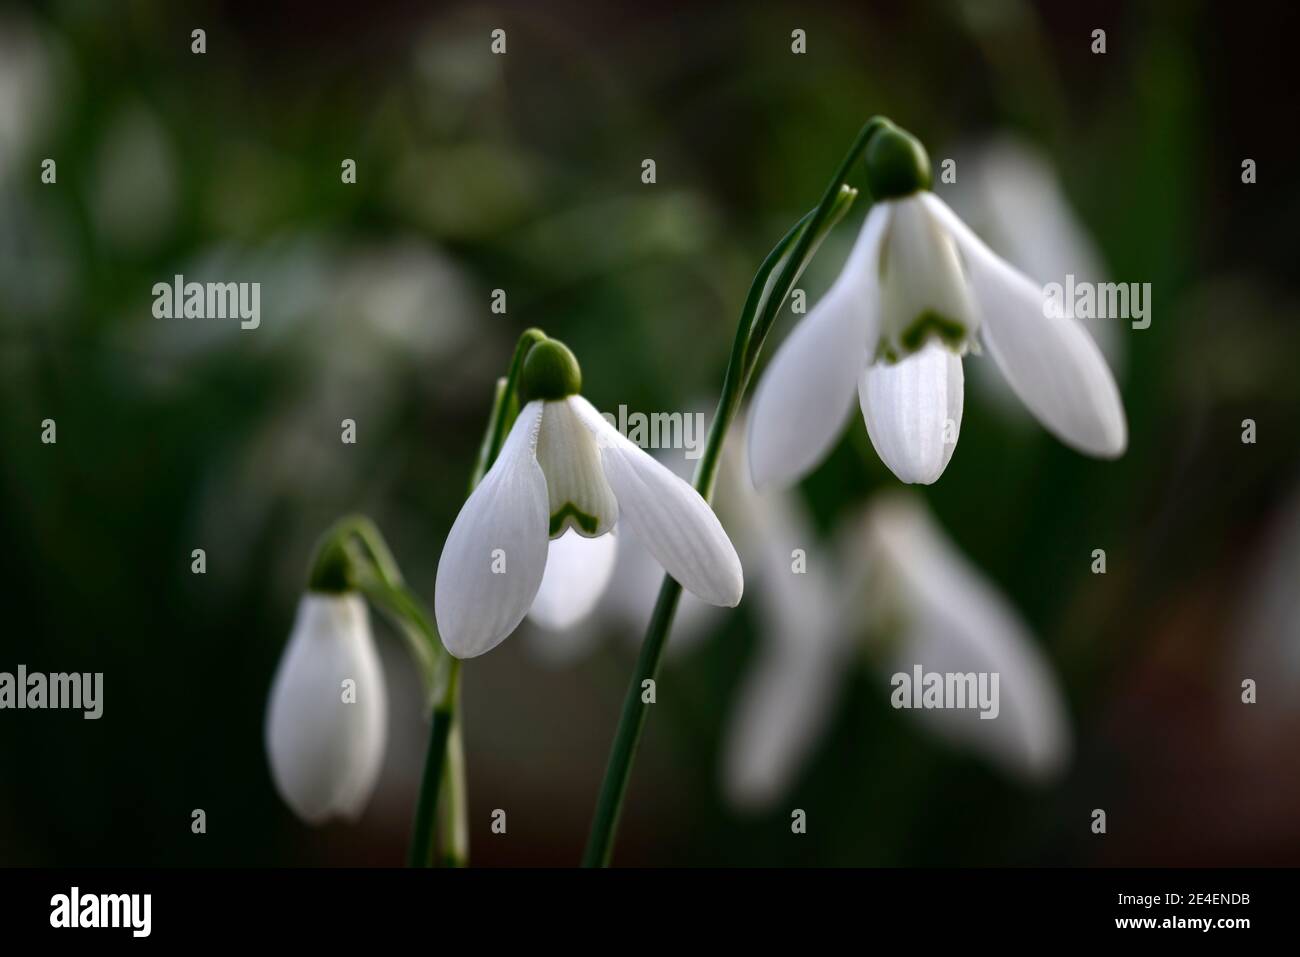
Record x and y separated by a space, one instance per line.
669 517
577 571
578 495
789 695
954 620
806 392
913 412
495 554
326 751
1051 363
783 707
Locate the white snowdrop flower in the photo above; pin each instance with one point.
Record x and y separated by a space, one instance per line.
948 618
327 721
918 292
917 601
562 467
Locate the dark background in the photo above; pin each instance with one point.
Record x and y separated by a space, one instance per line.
522 172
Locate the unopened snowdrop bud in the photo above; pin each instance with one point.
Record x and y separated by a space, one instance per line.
326 724
562 468
919 293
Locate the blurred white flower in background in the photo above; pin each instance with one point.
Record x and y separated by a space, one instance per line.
29 96
362 329
37 276
899 594
327 720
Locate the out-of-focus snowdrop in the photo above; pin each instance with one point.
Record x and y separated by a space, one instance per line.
914 600
133 194
1008 191
327 720
399 307
37 275
29 95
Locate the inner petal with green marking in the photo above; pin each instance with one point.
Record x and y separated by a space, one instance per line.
923 287
579 496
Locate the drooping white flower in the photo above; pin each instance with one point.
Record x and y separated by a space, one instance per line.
564 467
327 721
917 601
919 291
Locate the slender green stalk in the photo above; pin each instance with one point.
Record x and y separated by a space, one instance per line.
762 305
453 812
423 852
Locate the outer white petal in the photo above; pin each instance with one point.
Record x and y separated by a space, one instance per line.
326 752
576 488
667 515
806 392
577 571
782 709
478 604
913 412
956 621
1052 363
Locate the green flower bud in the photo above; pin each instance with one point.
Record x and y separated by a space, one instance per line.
897 164
550 372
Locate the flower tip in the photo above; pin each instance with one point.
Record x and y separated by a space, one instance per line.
550 372
897 164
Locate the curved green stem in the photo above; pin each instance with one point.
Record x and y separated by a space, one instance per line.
762 305
423 849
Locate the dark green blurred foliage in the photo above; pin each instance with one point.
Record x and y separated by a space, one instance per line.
522 173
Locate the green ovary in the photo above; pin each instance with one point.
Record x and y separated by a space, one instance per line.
929 323
583 521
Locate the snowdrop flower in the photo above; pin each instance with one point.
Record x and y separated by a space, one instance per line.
562 467
921 603
918 292
327 721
